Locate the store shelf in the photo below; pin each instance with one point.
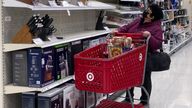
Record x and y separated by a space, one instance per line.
66 39
170 10
167 20
92 5
180 46
11 89
12 47
181 16
125 11
113 23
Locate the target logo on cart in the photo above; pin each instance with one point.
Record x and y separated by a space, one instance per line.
140 57
90 76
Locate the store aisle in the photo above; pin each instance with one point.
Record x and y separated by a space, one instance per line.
172 89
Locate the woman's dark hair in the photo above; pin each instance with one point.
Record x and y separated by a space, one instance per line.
156 12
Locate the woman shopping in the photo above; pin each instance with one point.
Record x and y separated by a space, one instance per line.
150 25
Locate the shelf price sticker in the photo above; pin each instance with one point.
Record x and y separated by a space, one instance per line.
90 76
38 41
81 4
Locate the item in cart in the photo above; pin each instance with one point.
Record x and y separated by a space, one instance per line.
115 46
127 46
114 51
61 63
51 99
40 66
19 68
29 100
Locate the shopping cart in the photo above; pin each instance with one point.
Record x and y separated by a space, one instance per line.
96 73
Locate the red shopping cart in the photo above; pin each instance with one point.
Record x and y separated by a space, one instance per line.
95 73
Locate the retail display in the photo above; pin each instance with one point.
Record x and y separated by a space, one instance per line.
62 32
51 99
61 63
40 67
19 68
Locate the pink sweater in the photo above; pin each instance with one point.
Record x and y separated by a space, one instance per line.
154 28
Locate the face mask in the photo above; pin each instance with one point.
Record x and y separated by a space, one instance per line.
145 13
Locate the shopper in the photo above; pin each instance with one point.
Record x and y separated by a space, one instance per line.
150 25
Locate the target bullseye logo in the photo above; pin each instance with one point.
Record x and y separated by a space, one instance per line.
140 57
90 76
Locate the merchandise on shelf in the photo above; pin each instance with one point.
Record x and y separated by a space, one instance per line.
40 66
74 48
29 100
51 99
19 68
60 61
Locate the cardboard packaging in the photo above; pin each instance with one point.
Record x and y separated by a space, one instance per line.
19 68
40 67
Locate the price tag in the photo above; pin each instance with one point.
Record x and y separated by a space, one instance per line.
65 3
106 28
81 4
52 38
38 41
53 4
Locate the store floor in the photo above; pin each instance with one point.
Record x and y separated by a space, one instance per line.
173 88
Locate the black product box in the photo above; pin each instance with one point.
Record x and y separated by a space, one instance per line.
40 67
29 100
19 68
51 99
91 42
74 48
73 98
61 63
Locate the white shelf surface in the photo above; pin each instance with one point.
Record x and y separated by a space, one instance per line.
181 16
169 20
92 5
11 89
66 39
125 11
170 10
113 23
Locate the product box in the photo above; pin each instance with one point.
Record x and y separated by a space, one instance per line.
74 48
73 98
61 63
40 66
51 99
19 68
29 100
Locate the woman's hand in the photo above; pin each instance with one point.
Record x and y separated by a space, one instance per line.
146 34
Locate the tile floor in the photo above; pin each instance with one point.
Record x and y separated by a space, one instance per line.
173 88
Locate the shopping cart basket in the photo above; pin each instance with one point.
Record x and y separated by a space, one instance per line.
95 73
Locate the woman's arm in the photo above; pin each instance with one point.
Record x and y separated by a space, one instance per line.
125 28
156 40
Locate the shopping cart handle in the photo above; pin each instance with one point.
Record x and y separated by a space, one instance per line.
132 35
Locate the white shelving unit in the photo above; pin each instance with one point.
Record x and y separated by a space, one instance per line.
179 46
66 39
8 91
125 11
11 89
92 5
